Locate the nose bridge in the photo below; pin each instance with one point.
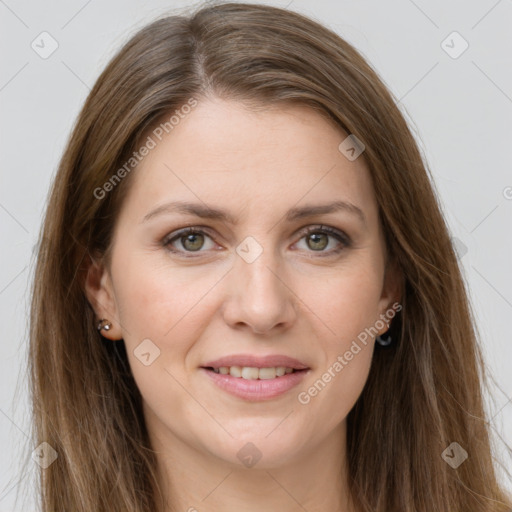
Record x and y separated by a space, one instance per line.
259 297
256 266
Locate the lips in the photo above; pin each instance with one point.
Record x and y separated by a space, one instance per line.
248 360
256 389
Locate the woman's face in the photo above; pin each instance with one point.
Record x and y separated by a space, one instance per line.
251 283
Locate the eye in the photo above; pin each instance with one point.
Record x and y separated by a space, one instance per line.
317 238
190 239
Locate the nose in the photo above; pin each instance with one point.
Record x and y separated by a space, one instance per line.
258 296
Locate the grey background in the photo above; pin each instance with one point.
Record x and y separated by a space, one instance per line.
460 110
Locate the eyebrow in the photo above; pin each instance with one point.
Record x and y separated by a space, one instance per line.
296 213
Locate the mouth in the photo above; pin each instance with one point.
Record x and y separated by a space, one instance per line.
253 372
255 378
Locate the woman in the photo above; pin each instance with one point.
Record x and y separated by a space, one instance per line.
246 295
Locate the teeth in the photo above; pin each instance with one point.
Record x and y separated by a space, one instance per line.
251 373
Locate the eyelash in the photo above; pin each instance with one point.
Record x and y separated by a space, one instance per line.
196 230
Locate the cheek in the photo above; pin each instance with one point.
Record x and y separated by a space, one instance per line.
163 305
168 305
334 393
347 301
339 381
153 296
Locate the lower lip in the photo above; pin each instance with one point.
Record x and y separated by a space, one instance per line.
256 389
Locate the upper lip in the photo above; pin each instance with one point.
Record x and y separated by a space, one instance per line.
252 361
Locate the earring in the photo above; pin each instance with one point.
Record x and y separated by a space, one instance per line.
104 324
384 342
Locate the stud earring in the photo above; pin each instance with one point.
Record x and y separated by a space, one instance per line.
104 324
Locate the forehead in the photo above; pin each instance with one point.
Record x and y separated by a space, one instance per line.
224 154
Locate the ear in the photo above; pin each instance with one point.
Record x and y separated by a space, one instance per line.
100 294
391 290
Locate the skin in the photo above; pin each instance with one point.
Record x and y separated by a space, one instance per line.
294 299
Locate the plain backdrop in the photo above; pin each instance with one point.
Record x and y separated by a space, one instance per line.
454 89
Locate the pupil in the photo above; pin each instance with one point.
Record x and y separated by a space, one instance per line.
190 238
317 238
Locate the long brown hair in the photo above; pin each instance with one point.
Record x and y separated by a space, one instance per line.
423 393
